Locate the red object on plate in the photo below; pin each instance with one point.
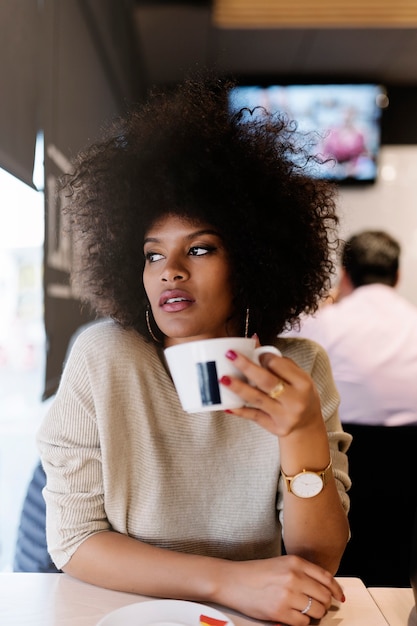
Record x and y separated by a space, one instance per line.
211 621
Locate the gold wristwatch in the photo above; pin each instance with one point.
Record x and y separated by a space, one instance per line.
308 483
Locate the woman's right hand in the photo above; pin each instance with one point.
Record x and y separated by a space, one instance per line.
278 589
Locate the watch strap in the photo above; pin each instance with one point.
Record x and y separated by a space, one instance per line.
324 474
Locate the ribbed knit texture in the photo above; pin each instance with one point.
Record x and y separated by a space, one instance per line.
120 453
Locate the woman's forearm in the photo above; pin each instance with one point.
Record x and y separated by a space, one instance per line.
267 589
115 561
317 528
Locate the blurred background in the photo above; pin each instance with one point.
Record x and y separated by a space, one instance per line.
67 66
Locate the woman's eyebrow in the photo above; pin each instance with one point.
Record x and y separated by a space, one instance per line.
193 235
203 231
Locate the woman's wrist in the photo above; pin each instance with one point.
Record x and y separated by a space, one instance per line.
297 453
212 579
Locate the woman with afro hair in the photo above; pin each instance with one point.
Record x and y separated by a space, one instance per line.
192 222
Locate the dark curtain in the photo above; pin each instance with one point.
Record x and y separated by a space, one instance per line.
92 73
19 97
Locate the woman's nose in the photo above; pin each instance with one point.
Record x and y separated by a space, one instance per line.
174 271
167 277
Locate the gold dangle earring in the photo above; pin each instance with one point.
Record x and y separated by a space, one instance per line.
247 323
148 324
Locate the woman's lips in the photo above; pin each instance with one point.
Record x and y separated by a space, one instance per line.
175 300
179 305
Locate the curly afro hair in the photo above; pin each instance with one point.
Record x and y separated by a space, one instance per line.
183 152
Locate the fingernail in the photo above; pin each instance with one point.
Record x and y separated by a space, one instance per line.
225 380
343 599
228 411
231 354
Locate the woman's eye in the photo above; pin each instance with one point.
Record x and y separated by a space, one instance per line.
200 250
151 257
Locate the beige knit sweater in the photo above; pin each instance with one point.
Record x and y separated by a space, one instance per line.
120 453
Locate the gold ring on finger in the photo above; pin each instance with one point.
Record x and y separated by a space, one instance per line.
277 390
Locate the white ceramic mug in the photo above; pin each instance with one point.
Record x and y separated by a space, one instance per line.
197 366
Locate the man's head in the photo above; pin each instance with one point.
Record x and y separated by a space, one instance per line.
369 257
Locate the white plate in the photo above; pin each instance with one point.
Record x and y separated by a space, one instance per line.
162 613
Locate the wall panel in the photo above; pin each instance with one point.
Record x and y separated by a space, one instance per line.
86 83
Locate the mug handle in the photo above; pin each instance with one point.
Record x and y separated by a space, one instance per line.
262 350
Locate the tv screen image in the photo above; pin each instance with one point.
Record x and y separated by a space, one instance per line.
339 123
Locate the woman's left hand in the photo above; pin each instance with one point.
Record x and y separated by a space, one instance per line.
281 396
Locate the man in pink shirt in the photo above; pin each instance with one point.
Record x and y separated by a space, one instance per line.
370 335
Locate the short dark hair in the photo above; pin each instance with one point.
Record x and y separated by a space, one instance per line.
372 256
182 152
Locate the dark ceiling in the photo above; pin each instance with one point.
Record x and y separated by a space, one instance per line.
174 37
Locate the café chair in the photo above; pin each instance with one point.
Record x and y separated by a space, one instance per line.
383 500
31 553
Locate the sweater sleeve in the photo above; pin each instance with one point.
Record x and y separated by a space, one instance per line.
69 446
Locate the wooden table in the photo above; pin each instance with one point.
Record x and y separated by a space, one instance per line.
59 600
397 605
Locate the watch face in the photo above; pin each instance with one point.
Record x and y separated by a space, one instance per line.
306 485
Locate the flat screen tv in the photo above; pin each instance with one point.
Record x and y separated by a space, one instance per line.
340 123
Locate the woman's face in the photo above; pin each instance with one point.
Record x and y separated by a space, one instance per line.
187 280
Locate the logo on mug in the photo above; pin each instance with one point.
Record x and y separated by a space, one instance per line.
208 383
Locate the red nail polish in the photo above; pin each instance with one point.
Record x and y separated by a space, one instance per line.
225 380
343 599
231 354
228 411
